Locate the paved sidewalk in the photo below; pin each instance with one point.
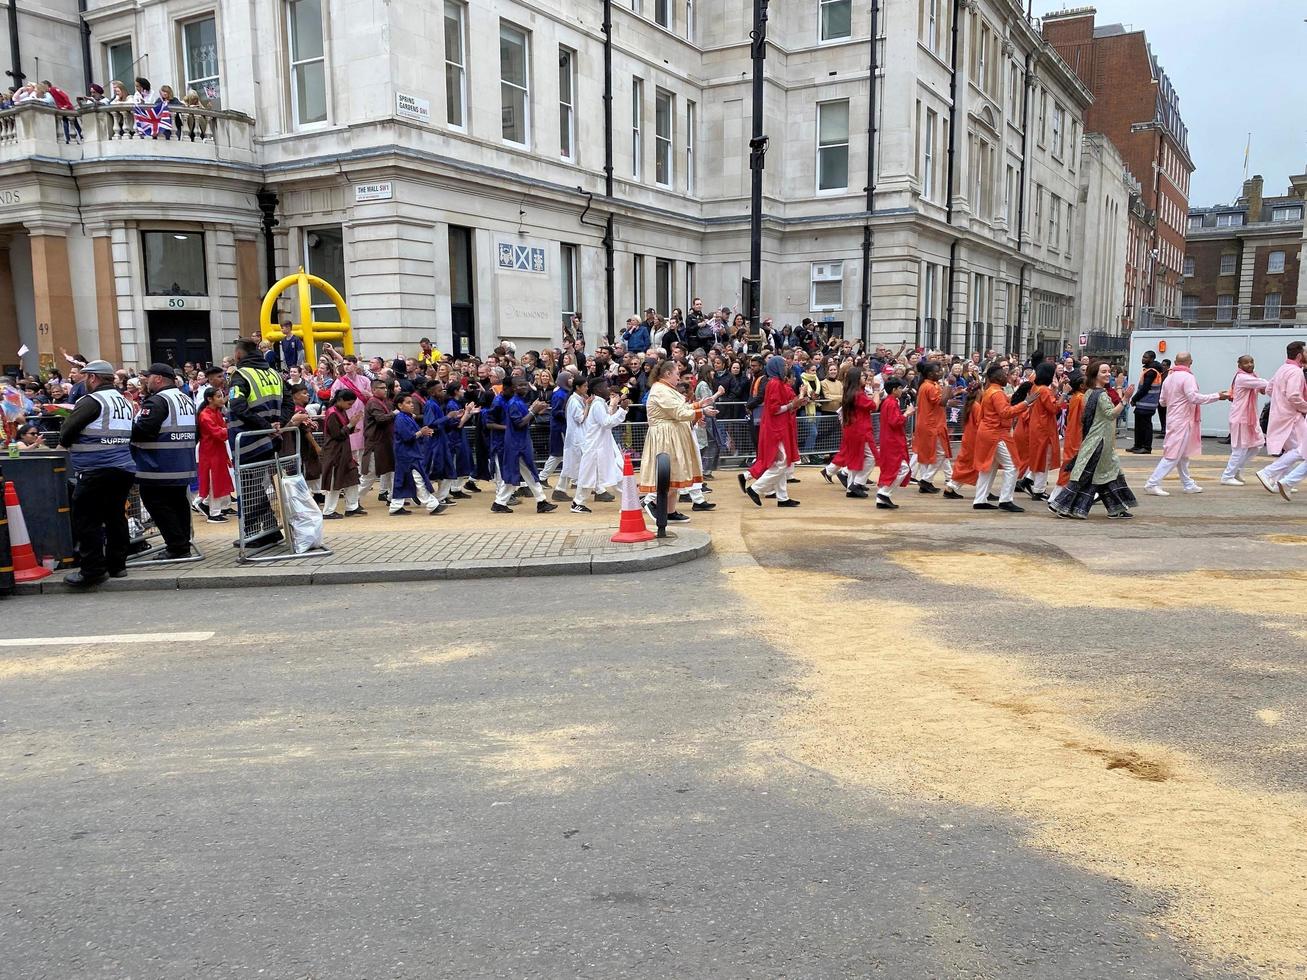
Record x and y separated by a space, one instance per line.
369 556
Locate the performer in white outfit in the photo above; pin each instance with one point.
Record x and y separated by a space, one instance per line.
1245 432
601 461
578 404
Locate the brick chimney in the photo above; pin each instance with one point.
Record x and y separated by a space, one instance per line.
1252 196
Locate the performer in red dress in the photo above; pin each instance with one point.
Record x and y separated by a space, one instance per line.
778 438
893 455
857 453
214 475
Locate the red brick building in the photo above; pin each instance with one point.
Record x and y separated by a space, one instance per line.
1137 108
1243 259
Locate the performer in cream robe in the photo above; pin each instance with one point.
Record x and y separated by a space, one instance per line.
578 404
601 461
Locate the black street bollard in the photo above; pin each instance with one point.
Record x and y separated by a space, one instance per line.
6 557
663 469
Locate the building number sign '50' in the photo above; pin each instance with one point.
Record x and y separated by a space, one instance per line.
176 304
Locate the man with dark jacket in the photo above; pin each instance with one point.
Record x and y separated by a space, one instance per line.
163 445
258 399
1145 401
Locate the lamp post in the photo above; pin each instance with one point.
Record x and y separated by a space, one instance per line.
757 160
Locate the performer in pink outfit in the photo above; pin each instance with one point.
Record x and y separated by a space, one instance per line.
1245 434
1287 431
1184 430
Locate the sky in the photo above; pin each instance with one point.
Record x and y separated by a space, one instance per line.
1238 69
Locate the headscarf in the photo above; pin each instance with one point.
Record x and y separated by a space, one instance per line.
775 367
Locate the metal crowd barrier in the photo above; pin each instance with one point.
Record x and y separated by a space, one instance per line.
261 507
145 544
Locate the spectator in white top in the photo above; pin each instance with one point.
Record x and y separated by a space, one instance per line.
144 94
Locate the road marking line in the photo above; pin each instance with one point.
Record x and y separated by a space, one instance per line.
63 641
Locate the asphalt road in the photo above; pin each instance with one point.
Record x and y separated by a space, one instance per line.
616 777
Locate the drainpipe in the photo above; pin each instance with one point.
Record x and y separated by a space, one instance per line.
1021 200
757 163
867 236
85 30
15 47
952 134
267 198
610 289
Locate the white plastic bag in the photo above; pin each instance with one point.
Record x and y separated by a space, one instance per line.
303 519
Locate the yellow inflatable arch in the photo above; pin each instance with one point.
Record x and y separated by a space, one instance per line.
313 332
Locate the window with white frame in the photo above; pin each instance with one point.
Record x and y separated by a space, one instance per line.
664 114
1275 262
637 122
1225 307
637 6
690 120
324 257
663 13
566 103
1293 213
689 284
1195 221
637 284
308 62
1054 220
1189 265
1010 196
119 63
1233 220
1013 90
515 84
689 20
1043 117
1036 225
928 157
1227 264
827 286
1271 306
200 60
570 298
455 64
833 146
836 19
663 286
932 25
1059 146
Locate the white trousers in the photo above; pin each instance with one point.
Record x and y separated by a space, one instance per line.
1239 458
218 504
333 497
774 478
1164 468
366 476
504 489
860 477
1295 475
551 464
1283 467
1002 461
888 491
927 472
424 496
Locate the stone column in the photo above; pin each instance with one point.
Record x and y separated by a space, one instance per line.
56 322
106 300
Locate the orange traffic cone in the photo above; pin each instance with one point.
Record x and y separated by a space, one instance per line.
632 528
20 544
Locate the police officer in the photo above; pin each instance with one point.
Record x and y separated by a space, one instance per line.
97 434
258 398
163 444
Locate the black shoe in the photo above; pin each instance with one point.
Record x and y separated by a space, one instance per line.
118 573
753 495
676 517
440 508
200 507
460 495
1125 515
333 516
793 479
704 506
383 497
544 484
356 512
561 496
319 499
521 492
992 498
744 482
402 512
788 503
826 476
79 581
1023 485
983 507
1042 495
499 509
884 503
580 509
169 556
772 495
544 507
471 487
605 497
857 493
925 486
215 519
1011 508
952 495
843 478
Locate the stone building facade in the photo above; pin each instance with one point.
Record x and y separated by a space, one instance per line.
446 166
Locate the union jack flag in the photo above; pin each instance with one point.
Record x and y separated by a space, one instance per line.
151 120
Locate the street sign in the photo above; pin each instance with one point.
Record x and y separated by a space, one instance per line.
1084 340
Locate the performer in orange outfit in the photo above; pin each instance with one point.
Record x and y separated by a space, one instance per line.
1043 452
930 442
995 443
1075 411
964 471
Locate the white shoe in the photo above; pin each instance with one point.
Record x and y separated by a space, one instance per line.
1156 491
1231 481
1193 489
1267 484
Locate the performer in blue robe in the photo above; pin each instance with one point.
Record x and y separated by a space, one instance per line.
410 459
